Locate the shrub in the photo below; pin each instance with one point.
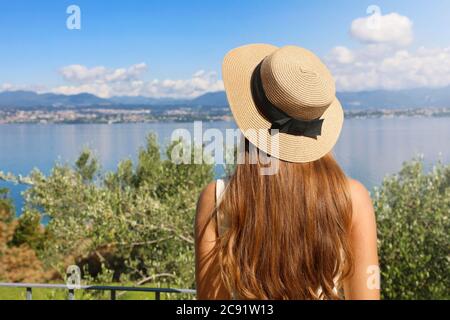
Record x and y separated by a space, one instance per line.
413 209
18 261
134 224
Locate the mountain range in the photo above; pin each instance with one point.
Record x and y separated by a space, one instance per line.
379 99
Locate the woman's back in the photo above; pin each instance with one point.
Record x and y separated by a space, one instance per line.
296 229
363 283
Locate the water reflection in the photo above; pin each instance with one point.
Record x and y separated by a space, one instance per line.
367 150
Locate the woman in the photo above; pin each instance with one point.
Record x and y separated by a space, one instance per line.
304 231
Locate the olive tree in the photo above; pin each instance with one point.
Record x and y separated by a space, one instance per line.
413 211
134 224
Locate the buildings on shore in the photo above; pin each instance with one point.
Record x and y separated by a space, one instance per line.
177 114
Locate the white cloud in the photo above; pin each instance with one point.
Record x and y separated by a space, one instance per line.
377 67
6 87
27 87
101 90
105 82
385 61
391 28
83 74
200 83
342 55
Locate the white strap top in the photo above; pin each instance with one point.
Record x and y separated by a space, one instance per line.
222 222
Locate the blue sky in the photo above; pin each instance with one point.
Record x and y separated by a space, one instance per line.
177 39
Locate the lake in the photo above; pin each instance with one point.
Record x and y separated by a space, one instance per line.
368 149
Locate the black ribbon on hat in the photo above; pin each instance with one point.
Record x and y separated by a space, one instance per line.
279 119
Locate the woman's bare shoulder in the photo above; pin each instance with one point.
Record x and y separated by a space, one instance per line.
357 189
208 194
361 201
206 203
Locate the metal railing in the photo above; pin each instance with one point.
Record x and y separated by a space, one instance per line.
112 289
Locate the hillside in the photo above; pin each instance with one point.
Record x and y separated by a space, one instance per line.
379 99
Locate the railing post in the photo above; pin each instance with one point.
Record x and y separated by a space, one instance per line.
29 295
113 294
157 295
71 294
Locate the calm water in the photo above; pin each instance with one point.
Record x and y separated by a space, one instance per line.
367 150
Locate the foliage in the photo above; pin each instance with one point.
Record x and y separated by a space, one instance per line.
86 166
413 209
18 261
133 224
6 206
29 231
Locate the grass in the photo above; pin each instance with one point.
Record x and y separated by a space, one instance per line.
61 294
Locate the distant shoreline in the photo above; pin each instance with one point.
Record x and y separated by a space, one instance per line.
180 115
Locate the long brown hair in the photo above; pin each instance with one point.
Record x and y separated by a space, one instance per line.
289 232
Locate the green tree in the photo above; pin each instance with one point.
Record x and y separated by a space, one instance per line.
86 166
18 261
29 230
6 206
413 209
136 222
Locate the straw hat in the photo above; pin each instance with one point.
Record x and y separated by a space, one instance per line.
288 89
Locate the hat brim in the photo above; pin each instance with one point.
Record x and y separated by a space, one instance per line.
237 69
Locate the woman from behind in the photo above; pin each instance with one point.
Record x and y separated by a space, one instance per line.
305 230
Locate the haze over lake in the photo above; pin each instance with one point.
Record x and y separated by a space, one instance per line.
368 149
